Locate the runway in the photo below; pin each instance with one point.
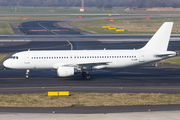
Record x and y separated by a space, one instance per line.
92 110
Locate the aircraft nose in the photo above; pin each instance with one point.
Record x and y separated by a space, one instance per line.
6 63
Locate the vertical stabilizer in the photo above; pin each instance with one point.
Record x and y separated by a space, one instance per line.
160 40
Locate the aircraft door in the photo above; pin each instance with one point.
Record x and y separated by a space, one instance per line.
141 57
27 58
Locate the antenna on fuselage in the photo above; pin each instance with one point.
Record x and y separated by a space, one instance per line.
104 48
29 49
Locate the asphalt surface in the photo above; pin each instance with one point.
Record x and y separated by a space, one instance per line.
92 110
45 28
8 46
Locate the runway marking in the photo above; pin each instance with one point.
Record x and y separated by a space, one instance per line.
70 44
47 29
34 78
55 34
131 73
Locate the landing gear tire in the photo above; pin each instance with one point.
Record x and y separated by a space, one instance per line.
88 76
84 74
27 76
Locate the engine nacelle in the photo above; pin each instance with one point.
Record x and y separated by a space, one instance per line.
65 71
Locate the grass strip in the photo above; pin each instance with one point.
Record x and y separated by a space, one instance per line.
5 29
70 10
174 60
2 56
88 99
131 26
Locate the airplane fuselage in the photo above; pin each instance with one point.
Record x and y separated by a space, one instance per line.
53 59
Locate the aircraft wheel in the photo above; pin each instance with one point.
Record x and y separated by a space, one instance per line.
88 76
27 76
84 74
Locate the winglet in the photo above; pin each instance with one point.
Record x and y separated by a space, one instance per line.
160 40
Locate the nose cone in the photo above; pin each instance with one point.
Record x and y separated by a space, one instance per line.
6 64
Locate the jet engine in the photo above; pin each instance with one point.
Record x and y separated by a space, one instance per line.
65 71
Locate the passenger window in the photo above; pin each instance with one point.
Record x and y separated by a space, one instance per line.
87 56
74 56
82 56
97 56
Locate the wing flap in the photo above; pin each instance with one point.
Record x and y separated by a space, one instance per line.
82 65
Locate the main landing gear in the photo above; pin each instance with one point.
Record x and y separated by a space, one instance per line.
86 75
27 74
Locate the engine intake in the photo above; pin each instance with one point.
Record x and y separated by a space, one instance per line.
65 71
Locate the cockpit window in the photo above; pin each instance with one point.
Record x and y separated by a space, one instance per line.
14 57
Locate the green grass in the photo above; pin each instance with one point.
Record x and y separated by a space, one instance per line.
61 10
175 60
88 99
74 10
5 29
2 56
131 26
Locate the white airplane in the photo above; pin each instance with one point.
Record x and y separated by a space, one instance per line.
67 62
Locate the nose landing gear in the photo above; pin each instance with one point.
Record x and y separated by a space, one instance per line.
27 74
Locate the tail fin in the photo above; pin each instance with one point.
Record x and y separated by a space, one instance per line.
160 40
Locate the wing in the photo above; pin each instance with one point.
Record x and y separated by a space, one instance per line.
88 65
84 65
